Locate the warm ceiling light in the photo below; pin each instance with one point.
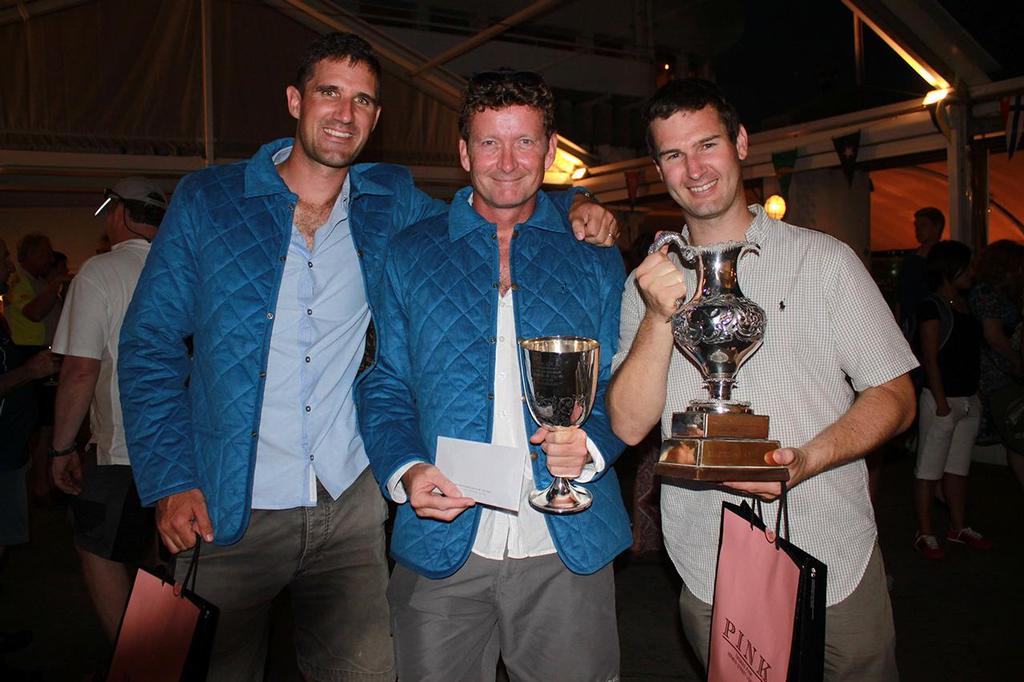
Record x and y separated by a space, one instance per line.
936 96
579 173
775 207
666 67
930 76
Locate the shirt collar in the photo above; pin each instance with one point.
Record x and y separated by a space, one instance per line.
463 218
262 178
129 243
758 229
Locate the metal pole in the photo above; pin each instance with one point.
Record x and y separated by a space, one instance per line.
858 49
958 162
207 47
979 191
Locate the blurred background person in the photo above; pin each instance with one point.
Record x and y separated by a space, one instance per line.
19 369
949 411
996 301
33 308
912 285
113 532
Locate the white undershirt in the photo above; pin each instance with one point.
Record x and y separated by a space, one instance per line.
504 534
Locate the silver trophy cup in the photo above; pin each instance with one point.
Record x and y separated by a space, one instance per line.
717 438
560 382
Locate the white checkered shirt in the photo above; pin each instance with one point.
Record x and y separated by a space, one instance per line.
829 334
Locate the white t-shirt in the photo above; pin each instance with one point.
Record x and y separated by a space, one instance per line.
90 326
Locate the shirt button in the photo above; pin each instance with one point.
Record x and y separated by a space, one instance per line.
309 311
309 263
514 287
501 375
308 408
502 339
270 316
254 434
533 456
307 358
504 413
311 458
493 339
281 258
263 375
494 235
359 253
490 396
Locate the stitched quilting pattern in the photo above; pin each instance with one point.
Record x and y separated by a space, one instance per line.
213 275
444 302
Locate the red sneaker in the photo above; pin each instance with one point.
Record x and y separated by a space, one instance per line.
929 547
970 537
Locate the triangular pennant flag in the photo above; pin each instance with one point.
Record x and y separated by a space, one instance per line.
784 163
632 184
1013 117
847 147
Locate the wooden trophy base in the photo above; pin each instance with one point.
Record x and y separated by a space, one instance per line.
719 447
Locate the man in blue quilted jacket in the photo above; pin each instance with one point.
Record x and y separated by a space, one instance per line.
473 583
272 267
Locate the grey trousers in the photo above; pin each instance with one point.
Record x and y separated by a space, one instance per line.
545 622
860 639
331 558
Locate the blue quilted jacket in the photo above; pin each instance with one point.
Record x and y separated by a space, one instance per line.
436 331
213 274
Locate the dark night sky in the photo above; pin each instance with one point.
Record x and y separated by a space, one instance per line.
794 61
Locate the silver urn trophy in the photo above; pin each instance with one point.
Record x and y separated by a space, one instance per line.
717 438
560 382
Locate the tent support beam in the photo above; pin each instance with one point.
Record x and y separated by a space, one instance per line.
207 46
471 43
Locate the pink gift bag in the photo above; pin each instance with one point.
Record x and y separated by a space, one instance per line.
768 615
164 637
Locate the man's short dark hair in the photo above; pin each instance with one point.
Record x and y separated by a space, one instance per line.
503 89
30 244
932 215
689 94
338 47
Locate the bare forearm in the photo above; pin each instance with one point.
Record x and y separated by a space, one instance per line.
15 379
878 414
74 394
636 394
934 377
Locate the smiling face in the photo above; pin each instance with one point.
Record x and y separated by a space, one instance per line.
700 166
336 112
506 155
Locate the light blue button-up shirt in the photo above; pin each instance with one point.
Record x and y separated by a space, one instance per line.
308 427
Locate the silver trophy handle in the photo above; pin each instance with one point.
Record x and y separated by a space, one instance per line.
689 255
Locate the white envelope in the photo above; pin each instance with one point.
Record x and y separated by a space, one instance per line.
490 474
